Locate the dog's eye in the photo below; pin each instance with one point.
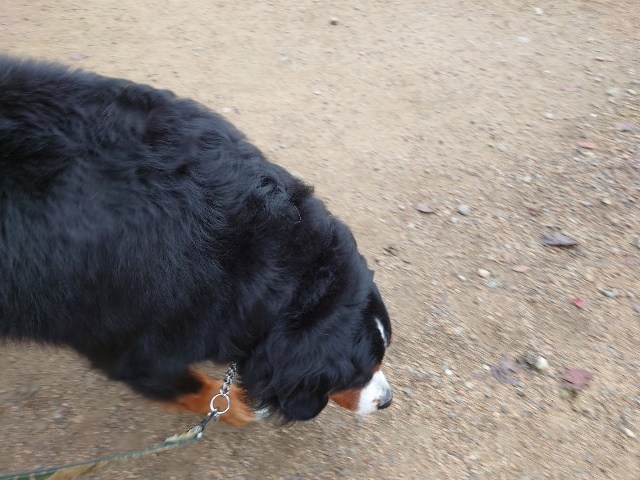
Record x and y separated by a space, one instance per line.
359 380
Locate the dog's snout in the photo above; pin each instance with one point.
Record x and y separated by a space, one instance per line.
376 395
384 394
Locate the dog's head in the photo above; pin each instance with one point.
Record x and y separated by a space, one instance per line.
371 391
330 343
339 358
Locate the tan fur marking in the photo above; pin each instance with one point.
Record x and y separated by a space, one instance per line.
239 415
350 399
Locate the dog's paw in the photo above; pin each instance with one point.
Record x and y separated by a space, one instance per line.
262 413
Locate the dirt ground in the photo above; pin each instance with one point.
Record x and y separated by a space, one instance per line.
510 119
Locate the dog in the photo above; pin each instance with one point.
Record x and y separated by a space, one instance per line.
145 232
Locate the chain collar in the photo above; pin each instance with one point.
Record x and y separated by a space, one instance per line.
215 412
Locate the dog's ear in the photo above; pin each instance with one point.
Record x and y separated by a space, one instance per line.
290 375
280 196
302 404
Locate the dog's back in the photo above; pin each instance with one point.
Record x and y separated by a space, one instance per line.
108 205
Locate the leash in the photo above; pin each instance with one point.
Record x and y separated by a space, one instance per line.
73 470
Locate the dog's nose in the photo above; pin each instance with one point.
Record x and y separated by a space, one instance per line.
386 404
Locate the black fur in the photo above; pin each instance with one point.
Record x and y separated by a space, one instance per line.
145 232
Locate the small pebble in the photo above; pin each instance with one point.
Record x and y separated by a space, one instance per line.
605 201
538 11
628 432
484 273
468 385
567 394
462 278
549 116
459 331
493 284
541 363
529 358
609 293
333 21
464 210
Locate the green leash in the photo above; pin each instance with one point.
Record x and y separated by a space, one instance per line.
73 470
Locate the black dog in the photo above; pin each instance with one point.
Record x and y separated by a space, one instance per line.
145 232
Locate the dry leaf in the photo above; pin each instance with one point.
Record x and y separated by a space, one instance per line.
587 145
579 302
558 240
76 57
424 208
508 257
571 88
505 372
626 127
575 379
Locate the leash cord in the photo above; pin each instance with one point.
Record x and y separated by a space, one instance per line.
73 470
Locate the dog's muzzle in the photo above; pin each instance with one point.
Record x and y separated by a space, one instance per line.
376 395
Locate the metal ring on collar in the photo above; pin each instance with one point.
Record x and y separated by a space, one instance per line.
215 409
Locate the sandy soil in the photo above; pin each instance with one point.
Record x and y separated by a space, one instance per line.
526 112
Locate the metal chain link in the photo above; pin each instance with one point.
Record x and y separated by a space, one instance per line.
215 412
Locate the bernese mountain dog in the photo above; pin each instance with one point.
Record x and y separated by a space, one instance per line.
144 231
